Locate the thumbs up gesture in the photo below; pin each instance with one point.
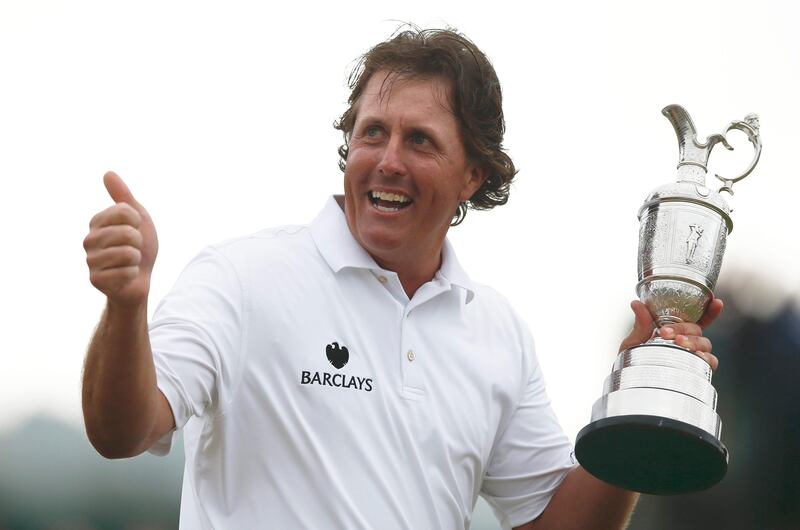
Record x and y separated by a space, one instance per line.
121 246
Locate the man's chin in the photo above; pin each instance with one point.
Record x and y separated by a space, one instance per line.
383 247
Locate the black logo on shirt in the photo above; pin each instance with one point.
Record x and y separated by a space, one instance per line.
340 380
337 355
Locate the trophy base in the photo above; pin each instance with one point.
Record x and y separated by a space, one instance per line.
655 429
651 454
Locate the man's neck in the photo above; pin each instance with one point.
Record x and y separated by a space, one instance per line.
414 273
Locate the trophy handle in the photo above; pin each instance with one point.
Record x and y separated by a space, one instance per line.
750 127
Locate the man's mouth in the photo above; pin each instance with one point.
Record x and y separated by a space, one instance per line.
389 202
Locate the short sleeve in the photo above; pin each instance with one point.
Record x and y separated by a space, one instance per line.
196 335
530 458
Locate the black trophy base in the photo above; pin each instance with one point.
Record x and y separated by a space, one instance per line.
651 454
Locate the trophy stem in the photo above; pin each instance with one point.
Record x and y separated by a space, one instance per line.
665 320
661 321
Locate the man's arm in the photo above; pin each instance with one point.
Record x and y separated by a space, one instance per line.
583 502
123 409
124 412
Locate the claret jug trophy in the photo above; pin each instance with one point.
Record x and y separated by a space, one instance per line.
655 429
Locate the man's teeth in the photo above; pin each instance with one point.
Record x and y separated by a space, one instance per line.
393 197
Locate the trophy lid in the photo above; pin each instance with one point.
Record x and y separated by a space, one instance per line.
689 191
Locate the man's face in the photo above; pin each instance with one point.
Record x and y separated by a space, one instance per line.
407 169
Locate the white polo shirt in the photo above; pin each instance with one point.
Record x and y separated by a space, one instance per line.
314 394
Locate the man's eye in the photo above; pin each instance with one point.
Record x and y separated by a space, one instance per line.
419 139
372 131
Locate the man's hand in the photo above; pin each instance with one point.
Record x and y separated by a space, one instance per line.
121 247
685 334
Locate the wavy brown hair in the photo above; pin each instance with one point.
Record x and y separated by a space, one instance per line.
477 101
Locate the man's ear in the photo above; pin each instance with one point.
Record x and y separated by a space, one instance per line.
476 176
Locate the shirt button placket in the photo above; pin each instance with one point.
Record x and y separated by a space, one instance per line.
412 367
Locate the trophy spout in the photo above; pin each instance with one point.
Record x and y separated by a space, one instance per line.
692 152
683 125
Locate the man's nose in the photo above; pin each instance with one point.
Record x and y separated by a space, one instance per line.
392 160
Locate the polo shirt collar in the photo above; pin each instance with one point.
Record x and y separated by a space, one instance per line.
452 271
335 241
341 250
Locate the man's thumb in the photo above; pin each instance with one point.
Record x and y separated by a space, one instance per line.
643 324
118 190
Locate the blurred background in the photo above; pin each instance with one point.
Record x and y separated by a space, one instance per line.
218 116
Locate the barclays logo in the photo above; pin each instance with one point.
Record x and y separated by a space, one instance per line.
338 356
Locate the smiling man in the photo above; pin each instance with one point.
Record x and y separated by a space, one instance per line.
348 373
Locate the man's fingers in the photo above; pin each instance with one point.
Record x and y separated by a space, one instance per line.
713 310
119 214
682 328
709 358
110 280
113 236
114 257
693 343
685 334
697 344
712 361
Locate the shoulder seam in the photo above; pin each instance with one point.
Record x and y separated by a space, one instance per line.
268 233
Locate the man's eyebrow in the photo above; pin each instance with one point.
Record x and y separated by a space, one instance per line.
372 120
424 128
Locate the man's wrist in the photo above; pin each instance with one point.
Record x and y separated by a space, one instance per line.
129 312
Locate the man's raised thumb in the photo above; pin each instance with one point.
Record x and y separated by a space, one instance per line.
118 190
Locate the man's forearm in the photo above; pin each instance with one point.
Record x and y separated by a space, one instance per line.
583 502
119 383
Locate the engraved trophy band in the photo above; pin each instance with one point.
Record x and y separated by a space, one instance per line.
655 429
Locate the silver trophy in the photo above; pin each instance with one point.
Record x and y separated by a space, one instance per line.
655 429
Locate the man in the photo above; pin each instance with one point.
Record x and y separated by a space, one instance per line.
348 374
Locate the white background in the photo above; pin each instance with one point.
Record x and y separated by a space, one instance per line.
218 115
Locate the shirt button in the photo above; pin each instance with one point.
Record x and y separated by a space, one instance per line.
382 279
410 355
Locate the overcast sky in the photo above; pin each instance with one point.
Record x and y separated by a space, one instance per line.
218 116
